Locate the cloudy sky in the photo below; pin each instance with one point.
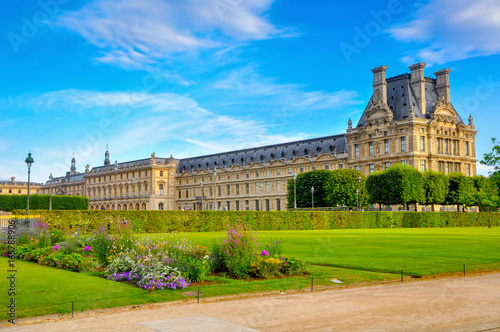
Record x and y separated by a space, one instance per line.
195 77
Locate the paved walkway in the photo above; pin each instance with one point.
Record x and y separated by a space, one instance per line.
446 304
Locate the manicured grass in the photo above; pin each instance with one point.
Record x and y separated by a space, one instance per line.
361 254
416 251
42 290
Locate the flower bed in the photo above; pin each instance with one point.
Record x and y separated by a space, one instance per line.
152 263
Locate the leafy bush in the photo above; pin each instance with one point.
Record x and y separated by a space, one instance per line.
36 254
239 249
89 264
102 245
21 251
292 266
42 202
71 262
275 249
266 267
197 268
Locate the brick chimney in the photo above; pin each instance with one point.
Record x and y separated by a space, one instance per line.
379 84
443 83
13 179
417 83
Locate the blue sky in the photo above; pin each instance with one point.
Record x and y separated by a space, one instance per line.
195 77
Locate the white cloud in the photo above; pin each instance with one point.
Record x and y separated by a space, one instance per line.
450 30
484 170
133 33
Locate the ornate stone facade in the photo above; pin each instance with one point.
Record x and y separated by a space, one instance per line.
14 187
409 119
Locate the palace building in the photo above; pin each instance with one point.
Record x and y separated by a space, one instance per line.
409 119
14 187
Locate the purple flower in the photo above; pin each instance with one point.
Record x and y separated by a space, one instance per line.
87 248
56 247
264 253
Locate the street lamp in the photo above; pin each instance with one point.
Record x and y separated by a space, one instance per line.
295 190
312 196
358 191
116 178
215 189
202 194
29 161
357 199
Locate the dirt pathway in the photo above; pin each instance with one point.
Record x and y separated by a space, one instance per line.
451 304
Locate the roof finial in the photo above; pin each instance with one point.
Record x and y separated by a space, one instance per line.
349 124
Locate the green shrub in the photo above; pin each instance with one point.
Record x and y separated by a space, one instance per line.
42 202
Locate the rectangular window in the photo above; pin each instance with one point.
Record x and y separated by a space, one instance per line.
247 188
356 168
247 205
371 148
257 207
468 170
237 205
278 171
356 150
267 205
194 192
267 187
455 168
438 145
256 174
314 167
372 168
467 151
446 168
422 143
439 167
187 193
219 204
402 131
228 206
237 189
387 165
220 178
180 207
454 144
211 191
228 177
278 204
403 144
237 176
289 170
446 146
219 190
248 175
278 186
386 133
267 173
228 190
422 165
327 166
301 169
404 162
386 145
210 206
257 188
341 165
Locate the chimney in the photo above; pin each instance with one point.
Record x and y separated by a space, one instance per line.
417 83
443 84
379 84
13 179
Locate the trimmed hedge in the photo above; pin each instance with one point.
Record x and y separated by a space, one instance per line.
42 202
208 221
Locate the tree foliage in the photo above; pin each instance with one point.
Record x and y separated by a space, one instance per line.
493 158
435 187
305 181
460 187
403 185
375 187
342 186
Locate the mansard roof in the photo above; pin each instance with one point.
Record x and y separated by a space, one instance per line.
400 97
336 144
68 178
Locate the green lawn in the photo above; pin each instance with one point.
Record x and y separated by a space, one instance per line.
416 251
349 255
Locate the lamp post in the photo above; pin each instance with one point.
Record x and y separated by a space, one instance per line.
202 194
29 161
215 189
295 190
357 198
359 190
312 196
260 191
116 178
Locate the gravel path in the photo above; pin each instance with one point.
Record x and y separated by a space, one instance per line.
444 304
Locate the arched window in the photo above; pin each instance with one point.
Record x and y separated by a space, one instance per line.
160 206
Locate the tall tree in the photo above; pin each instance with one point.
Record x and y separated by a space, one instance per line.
460 186
375 187
435 187
305 181
342 188
493 158
404 185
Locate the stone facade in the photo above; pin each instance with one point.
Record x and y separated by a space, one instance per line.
409 119
14 187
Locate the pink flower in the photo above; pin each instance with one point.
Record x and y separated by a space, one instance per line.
56 247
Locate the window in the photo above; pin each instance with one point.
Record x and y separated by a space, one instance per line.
229 177
421 130
180 193
278 186
314 167
257 207
267 205
257 188
256 174
387 165
228 190
446 168
278 171
446 146
468 170
422 143
372 168
237 205
289 170
210 205
404 162
403 144
454 144
455 168
220 177
248 175
187 193
267 173
386 133
180 208
267 187
439 167
237 189
402 130
19 191
422 165
327 166
370 136
247 205
278 204
211 191
228 206
247 189
341 165
357 168
386 145
356 149
371 148
161 188
237 176
219 190
301 169
467 151
356 138
438 144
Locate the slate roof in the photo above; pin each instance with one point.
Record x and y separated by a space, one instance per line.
140 162
336 144
400 97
